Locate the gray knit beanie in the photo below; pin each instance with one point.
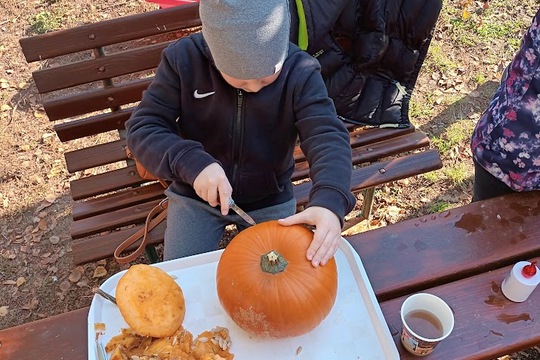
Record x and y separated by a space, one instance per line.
248 39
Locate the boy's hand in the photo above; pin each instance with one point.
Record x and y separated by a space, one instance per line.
327 232
213 186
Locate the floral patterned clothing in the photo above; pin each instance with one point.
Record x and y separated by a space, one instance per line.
506 140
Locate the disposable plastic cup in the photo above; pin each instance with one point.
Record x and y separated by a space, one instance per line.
436 311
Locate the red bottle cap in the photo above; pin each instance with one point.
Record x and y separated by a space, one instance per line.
529 270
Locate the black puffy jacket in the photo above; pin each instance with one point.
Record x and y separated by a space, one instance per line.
370 52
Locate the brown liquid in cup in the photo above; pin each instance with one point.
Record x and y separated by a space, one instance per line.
424 324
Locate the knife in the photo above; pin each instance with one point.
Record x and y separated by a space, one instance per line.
241 212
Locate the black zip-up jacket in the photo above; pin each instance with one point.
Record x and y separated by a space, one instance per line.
189 118
370 53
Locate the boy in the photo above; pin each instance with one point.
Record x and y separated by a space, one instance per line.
221 119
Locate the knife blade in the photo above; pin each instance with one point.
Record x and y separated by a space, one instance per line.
241 212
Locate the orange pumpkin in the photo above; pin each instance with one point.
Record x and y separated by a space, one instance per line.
268 287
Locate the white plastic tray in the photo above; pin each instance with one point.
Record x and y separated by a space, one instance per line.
354 329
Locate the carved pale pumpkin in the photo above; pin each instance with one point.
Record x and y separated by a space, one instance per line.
268 287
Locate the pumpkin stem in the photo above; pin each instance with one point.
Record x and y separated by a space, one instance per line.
273 262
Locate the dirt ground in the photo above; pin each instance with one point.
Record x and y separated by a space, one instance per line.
37 276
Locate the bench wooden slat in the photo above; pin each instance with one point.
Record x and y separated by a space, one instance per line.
98 34
102 246
375 151
483 230
396 169
118 200
104 183
111 220
382 172
492 325
359 136
95 100
97 69
368 135
96 219
93 125
63 336
96 155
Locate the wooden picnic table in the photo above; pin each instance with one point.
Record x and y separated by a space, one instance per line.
461 255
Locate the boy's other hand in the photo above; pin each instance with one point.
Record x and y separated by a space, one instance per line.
213 187
327 232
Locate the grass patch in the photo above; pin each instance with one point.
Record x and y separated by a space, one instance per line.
457 173
438 59
484 25
433 176
44 22
438 206
421 107
455 136
451 145
479 79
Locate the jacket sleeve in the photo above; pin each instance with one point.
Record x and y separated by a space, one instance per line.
152 131
325 142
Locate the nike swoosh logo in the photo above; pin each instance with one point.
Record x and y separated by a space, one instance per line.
196 94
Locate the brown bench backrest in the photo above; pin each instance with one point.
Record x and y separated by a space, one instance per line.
94 76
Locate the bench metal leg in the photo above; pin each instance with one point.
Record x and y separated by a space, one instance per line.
368 194
151 254
365 212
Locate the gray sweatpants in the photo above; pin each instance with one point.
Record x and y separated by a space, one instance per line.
194 227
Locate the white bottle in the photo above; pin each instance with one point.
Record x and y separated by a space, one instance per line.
521 281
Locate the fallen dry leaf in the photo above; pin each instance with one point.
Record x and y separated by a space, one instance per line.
42 206
394 210
65 285
31 305
83 283
100 271
38 114
4 310
42 224
75 275
20 280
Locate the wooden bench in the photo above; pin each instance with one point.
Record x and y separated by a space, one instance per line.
461 255
92 77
